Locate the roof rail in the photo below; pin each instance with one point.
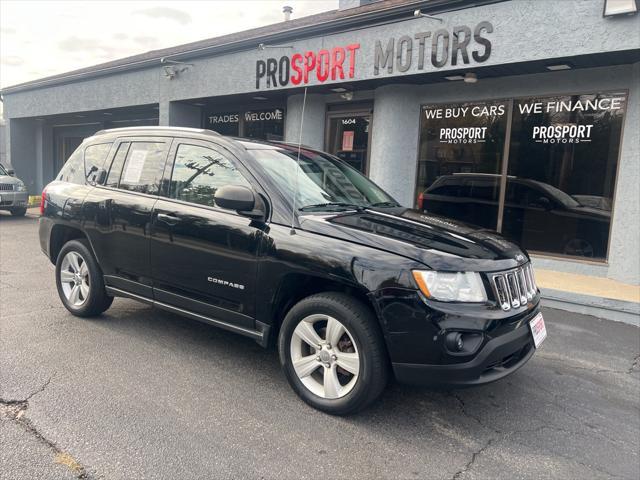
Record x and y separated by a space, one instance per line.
149 128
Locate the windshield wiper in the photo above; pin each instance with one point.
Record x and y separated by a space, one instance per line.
320 206
384 204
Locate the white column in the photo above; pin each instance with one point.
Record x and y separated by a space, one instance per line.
624 248
394 141
314 120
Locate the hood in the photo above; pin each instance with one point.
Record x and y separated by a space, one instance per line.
439 242
593 213
8 179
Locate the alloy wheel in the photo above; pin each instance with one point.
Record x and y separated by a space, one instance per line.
74 278
324 356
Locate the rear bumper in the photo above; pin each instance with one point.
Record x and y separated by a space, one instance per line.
499 357
9 199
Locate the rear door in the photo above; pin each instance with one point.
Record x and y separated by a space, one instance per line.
204 258
120 212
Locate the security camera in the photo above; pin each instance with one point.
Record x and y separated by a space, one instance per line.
170 72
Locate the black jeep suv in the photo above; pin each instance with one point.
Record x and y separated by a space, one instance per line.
289 245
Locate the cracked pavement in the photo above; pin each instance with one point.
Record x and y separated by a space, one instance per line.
140 393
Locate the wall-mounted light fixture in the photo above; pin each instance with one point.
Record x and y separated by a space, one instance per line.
264 46
418 13
470 78
467 78
619 7
558 67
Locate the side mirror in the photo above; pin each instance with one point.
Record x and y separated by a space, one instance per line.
238 198
543 202
11 172
97 176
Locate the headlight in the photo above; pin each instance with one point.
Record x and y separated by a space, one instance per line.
21 187
451 287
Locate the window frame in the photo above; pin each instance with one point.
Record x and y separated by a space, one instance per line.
140 139
511 101
229 155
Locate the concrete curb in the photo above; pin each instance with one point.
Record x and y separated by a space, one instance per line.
611 309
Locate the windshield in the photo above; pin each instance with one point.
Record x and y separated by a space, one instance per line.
3 171
324 182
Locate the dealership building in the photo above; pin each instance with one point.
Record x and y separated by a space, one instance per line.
519 116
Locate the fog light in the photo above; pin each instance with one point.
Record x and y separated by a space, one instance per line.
454 342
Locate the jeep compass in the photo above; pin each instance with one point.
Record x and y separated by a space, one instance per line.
291 247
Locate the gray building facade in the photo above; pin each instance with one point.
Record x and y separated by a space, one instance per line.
516 115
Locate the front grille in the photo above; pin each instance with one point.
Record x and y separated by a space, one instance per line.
4 187
514 288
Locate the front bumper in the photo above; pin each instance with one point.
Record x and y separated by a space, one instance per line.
499 357
10 199
496 342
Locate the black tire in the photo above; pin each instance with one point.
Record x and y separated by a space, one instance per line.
97 300
363 327
18 211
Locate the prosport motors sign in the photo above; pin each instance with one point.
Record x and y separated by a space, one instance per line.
466 123
569 113
418 52
301 68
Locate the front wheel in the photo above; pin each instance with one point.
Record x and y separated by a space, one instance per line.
79 280
332 352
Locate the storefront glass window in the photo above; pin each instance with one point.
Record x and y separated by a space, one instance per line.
560 169
225 123
262 124
460 160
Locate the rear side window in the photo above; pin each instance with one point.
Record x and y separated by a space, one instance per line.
73 169
94 157
199 171
143 167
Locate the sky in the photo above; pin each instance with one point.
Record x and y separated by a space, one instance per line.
43 38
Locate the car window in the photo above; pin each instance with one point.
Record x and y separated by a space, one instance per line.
449 190
116 165
484 189
94 157
73 169
199 171
143 167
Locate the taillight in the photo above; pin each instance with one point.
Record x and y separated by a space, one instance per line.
43 199
421 201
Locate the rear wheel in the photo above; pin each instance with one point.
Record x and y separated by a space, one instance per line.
18 211
79 280
333 354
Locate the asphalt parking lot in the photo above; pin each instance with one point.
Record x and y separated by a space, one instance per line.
140 393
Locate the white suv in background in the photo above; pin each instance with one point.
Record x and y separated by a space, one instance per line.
13 193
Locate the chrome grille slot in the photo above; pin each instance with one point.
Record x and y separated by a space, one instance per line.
4 187
514 288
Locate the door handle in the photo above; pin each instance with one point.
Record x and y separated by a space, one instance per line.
168 219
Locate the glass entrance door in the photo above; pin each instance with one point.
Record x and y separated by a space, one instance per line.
348 138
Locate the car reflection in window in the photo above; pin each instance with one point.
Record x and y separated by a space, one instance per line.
538 216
